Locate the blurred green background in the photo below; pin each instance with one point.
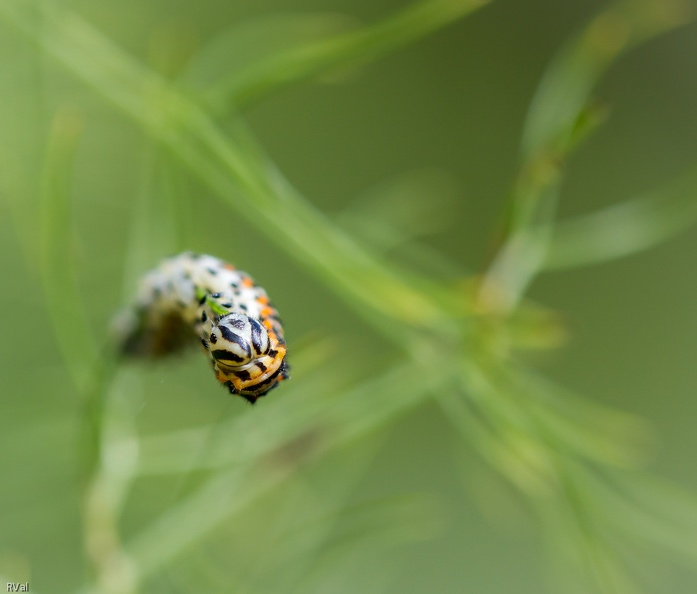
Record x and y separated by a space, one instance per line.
148 477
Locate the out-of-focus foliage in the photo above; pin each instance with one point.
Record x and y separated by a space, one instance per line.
124 478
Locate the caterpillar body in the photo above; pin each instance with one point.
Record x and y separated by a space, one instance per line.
190 295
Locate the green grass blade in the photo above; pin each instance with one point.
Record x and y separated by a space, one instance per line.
559 117
216 73
562 97
295 64
650 509
254 189
24 127
59 269
625 228
371 529
321 424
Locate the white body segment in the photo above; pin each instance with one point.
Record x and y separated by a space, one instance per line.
238 327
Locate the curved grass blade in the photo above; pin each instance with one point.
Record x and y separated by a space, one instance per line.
58 258
254 188
560 116
625 228
321 424
218 70
295 64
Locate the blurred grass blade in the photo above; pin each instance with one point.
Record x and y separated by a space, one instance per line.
588 430
522 255
294 64
407 206
58 258
199 448
560 115
498 445
652 510
217 71
154 228
110 484
24 127
307 520
563 93
526 427
255 189
321 425
581 541
373 528
626 228
392 216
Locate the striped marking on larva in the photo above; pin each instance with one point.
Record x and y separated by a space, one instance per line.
233 317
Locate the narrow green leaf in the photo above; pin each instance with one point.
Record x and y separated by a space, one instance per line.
560 115
579 532
283 436
626 228
253 188
370 529
59 269
563 93
240 51
393 216
24 127
293 64
650 509
584 428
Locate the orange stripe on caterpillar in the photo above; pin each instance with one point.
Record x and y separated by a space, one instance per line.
192 295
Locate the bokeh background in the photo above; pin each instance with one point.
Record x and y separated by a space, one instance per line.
423 142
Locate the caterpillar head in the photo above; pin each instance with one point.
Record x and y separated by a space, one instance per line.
247 356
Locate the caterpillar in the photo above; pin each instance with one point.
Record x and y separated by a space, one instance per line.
191 295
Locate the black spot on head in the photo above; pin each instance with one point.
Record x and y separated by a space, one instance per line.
204 343
213 271
233 285
215 295
214 338
228 305
202 300
204 317
236 322
243 307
